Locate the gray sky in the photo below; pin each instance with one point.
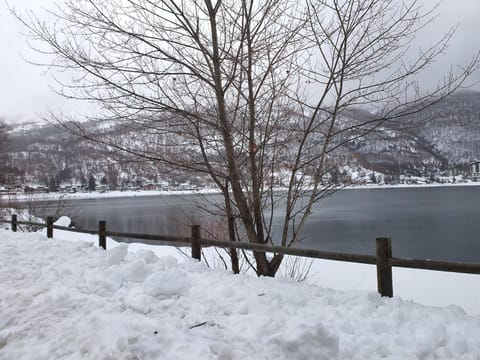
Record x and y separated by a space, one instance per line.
24 89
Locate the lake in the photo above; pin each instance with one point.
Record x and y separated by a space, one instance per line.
439 223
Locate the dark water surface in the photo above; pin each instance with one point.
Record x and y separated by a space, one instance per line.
425 223
441 223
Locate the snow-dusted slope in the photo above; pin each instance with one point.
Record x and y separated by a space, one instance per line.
71 300
442 137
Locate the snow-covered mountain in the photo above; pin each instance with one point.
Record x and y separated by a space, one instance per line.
442 138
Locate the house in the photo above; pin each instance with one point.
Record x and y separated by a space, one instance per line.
475 170
30 189
150 187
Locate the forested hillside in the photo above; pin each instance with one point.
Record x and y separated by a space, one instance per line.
441 139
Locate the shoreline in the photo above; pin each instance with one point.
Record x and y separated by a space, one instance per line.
414 186
140 193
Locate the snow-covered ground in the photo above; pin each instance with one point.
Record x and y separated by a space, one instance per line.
67 299
103 194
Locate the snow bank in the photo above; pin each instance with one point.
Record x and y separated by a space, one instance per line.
71 300
63 221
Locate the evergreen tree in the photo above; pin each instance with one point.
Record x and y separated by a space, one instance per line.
52 184
112 175
91 183
83 181
104 180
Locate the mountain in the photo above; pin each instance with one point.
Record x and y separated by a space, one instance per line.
442 138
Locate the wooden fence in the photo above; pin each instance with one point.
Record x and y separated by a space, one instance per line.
383 259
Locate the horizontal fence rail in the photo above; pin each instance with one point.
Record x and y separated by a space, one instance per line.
317 254
383 259
172 239
71 229
466 268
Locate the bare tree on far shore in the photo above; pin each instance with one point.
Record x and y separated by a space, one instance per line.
4 158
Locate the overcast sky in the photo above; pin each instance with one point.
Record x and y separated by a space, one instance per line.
25 92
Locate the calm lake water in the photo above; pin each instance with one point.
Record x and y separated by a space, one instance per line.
440 223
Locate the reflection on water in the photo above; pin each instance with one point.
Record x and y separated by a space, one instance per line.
170 215
434 223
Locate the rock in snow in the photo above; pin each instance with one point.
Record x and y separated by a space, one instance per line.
59 300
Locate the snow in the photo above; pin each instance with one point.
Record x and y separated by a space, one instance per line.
63 221
106 194
206 191
72 300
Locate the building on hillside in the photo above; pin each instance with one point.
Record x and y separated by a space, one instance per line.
150 187
30 189
475 170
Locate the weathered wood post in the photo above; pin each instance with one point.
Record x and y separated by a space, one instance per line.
49 227
196 245
102 236
384 269
13 223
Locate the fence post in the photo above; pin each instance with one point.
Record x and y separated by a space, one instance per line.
102 237
13 223
49 227
196 245
384 269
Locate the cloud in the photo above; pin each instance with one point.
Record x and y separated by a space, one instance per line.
24 89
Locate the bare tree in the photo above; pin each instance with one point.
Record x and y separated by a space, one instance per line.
3 162
251 93
4 158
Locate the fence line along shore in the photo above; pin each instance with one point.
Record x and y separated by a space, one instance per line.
383 259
